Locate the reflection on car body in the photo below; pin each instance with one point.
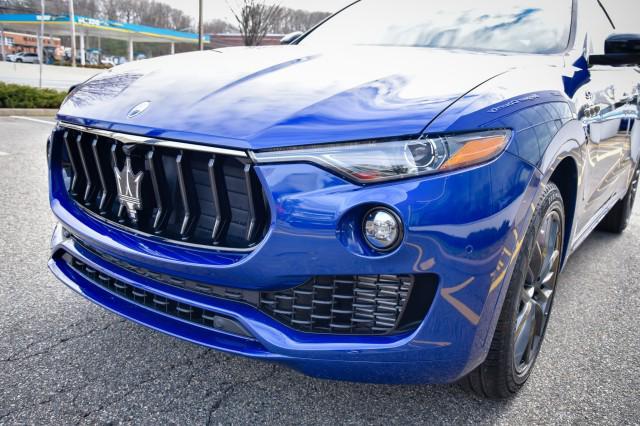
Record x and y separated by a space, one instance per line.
392 204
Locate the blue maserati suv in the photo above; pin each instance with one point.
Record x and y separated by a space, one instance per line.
388 197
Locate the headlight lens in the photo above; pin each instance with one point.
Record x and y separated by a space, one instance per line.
370 162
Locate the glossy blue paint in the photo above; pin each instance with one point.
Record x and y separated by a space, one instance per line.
464 226
264 98
308 204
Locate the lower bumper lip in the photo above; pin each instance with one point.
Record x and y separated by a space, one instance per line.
386 305
212 339
354 361
246 314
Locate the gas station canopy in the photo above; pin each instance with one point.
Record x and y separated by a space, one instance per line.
61 26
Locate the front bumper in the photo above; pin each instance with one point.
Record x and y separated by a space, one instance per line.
465 227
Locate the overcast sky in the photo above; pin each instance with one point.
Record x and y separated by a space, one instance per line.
220 9
625 12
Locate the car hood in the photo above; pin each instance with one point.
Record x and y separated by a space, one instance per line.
255 98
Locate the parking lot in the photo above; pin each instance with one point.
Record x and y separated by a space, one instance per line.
64 360
53 77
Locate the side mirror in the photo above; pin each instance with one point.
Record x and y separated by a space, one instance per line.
291 37
619 50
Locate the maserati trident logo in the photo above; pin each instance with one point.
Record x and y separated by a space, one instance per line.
129 186
138 109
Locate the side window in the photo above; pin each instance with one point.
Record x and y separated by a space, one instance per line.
597 24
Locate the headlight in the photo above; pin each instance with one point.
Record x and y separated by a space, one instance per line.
369 162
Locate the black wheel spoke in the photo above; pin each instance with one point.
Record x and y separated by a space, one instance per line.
535 265
547 280
524 330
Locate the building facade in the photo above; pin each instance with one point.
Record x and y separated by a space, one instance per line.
21 42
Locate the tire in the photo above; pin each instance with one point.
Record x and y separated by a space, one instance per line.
19 60
507 367
617 220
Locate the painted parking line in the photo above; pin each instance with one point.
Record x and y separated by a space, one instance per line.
36 120
2 153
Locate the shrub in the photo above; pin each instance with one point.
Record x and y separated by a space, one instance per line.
18 96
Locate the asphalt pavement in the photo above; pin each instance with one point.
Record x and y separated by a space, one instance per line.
53 76
64 360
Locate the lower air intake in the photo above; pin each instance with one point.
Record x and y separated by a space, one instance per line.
358 305
378 304
183 311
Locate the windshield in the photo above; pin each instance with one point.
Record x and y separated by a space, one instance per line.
523 26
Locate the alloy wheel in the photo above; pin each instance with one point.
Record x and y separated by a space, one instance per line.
536 295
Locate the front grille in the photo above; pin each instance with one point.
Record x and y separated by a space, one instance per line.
181 195
362 305
167 306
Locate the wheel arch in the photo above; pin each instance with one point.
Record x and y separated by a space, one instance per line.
566 177
563 164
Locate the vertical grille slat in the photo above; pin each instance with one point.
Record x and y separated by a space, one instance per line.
218 221
78 180
158 181
105 176
185 185
115 164
88 170
251 219
181 195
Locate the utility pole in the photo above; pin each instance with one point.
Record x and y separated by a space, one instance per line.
72 18
2 42
200 29
41 42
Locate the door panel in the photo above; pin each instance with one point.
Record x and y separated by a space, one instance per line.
608 112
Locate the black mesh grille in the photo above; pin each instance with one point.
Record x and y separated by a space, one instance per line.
364 305
156 302
185 196
350 304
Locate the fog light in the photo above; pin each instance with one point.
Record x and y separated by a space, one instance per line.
382 229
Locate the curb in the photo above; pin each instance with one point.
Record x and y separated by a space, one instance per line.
28 112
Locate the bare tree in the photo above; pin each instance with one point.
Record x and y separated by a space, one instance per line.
290 20
218 26
255 18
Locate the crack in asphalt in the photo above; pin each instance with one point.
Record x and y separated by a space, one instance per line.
137 386
229 390
77 390
48 400
61 341
114 401
46 338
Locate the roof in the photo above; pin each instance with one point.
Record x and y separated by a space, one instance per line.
60 25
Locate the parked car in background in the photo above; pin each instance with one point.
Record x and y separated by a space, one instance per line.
107 61
390 198
28 58
114 60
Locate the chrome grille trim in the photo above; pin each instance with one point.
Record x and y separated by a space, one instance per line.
135 139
